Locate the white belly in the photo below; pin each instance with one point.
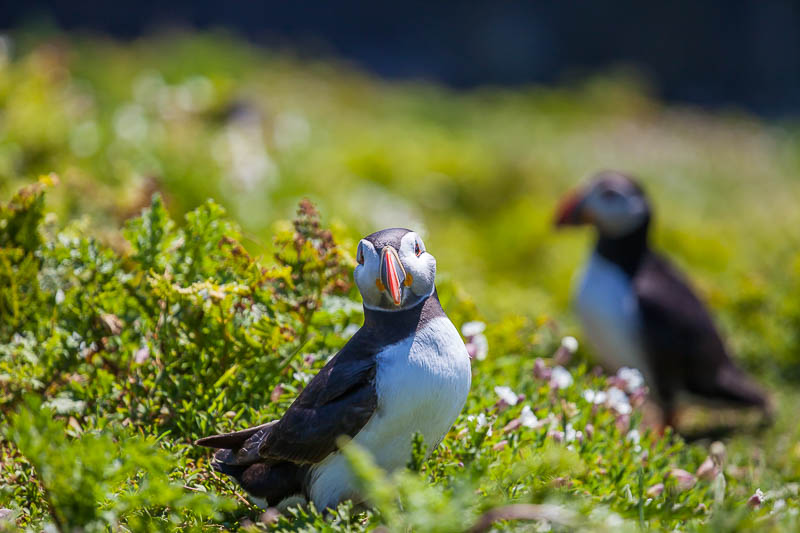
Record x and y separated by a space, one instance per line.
609 313
422 384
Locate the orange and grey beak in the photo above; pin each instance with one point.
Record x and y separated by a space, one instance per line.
392 274
571 212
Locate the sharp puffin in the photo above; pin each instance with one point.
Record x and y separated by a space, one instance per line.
638 310
406 370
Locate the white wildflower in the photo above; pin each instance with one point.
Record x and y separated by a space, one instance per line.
631 377
528 419
634 437
570 344
560 377
756 499
470 329
302 377
476 342
593 396
478 347
480 421
506 394
618 401
141 355
569 433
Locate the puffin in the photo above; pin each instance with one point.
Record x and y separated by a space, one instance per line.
638 310
405 371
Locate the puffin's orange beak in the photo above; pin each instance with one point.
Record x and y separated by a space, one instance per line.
392 274
571 212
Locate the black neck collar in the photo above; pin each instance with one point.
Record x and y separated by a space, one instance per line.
397 325
627 251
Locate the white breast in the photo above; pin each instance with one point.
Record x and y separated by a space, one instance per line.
422 383
609 312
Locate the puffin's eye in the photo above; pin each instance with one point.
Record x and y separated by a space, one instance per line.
417 248
360 255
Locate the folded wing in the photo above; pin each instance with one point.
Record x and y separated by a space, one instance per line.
682 342
338 401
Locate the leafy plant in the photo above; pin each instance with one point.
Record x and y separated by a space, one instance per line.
103 479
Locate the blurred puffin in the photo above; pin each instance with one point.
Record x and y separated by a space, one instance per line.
405 371
638 310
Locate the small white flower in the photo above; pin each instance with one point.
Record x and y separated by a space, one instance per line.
570 344
59 297
141 355
756 499
569 433
480 421
560 377
633 436
478 347
506 394
470 329
631 377
528 419
618 401
593 396
302 377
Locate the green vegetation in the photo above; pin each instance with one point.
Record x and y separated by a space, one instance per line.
137 315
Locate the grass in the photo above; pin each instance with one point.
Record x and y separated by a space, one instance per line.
126 329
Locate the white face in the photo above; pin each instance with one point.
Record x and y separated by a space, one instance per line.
615 211
392 280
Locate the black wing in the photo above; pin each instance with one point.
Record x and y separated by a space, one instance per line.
338 401
682 343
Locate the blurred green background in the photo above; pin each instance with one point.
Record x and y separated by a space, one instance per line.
478 172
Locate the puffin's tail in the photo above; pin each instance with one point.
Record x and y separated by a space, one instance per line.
237 456
735 387
236 450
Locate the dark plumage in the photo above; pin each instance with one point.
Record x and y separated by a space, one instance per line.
283 458
270 461
666 324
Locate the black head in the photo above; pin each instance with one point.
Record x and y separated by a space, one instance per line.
387 237
394 270
612 202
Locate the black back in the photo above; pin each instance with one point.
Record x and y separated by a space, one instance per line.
682 342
